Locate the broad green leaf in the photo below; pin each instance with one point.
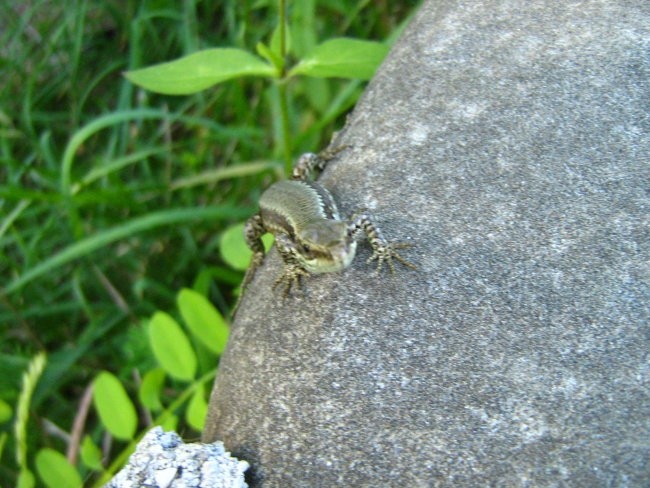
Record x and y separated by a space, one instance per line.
342 58
114 406
197 410
171 347
55 470
5 412
150 388
200 70
203 320
234 250
91 455
25 479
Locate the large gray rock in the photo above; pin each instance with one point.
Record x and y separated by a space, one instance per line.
509 140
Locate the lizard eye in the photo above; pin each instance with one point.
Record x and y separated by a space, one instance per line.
306 248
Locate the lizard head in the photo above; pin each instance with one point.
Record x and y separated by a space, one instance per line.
326 246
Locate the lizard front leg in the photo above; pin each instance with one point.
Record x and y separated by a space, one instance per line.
382 250
293 268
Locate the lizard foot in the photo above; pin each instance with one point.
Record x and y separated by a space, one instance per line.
387 252
290 278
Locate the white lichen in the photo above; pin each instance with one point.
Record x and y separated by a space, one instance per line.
163 460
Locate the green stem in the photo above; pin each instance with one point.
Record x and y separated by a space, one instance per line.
283 36
286 138
282 89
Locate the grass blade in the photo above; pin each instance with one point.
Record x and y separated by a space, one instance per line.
215 175
108 236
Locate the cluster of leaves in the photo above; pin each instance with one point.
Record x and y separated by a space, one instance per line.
186 369
113 198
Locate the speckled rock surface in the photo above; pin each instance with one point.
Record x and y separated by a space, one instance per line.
163 460
509 140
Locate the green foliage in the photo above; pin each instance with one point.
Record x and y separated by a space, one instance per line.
203 320
113 198
102 238
91 455
233 247
25 479
150 389
177 357
5 412
344 58
197 409
115 409
200 70
55 470
171 347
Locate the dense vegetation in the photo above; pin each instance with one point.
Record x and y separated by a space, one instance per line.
113 199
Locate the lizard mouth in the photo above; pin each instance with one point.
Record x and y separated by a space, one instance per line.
338 258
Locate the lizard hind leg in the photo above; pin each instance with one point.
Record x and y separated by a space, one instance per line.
310 162
306 164
253 232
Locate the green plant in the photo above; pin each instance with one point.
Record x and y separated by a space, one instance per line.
186 363
113 198
336 58
181 361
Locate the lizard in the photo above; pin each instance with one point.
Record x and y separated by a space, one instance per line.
310 234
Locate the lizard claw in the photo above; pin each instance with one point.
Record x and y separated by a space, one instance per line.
291 277
388 252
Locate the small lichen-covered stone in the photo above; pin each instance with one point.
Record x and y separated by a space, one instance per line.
162 460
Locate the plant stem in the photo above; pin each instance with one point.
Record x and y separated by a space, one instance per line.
282 89
286 138
283 35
